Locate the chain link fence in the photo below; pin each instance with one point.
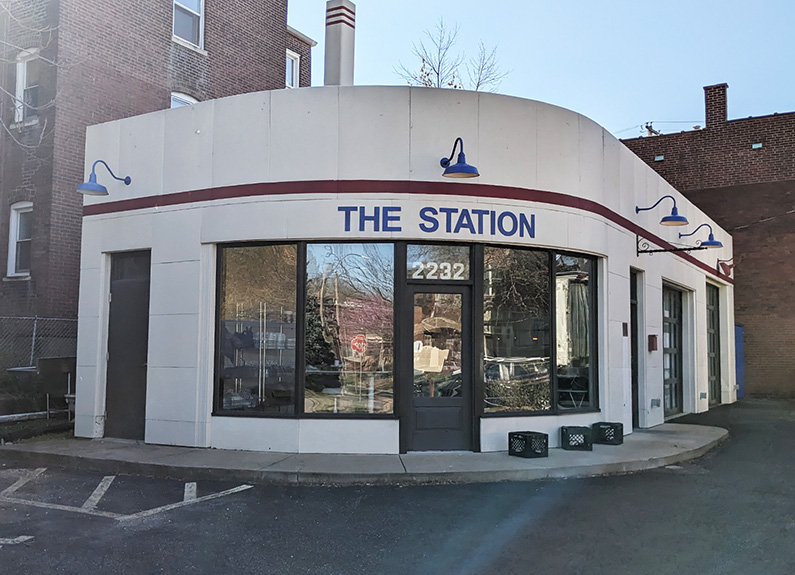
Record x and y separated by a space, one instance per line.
25 340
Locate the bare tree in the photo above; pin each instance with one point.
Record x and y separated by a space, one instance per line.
484 71
441 64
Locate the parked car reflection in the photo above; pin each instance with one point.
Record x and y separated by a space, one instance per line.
516 384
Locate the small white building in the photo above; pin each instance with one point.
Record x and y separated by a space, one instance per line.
290 271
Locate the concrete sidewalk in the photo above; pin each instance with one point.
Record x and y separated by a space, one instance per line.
644 449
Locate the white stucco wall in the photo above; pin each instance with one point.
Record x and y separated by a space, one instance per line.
391 136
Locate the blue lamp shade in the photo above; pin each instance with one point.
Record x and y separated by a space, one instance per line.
711 243
460 169
92 188
674 219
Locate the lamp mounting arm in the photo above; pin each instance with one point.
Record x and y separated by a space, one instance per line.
642 246
698 228
446 161
657 203
126 179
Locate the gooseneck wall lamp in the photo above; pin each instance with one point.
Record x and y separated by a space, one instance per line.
672 220
92 188
711 242
460 169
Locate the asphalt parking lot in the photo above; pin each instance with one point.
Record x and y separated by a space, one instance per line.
729 512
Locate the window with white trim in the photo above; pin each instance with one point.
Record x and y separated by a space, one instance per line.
178 100
19 236
26 96
189 21
292 70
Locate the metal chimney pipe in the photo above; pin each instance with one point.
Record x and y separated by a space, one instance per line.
340 34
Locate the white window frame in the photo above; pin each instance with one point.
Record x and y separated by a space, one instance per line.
181 99
200 14
23 58
295 60
13 238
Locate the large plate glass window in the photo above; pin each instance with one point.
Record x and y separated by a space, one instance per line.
257 316
574 329
188 15
516 330
349 328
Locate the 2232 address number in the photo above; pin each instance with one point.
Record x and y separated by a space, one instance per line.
438 271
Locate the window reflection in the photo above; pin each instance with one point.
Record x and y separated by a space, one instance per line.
257 339
437 345
516 338
349 327
573 304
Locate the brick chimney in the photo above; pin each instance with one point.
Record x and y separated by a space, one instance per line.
716 110
340 33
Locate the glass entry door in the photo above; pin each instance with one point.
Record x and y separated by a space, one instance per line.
672 351
440 407
713 343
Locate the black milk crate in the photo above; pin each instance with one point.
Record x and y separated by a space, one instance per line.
576 438
528 444
608 433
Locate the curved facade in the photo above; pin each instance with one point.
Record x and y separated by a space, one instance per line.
311 283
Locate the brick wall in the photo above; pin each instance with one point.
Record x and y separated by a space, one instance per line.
722 155
748 191
119 60
26 149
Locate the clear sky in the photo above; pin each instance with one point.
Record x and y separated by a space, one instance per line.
622 63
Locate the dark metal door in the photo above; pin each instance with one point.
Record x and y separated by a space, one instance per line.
713 344
440 407
672 351
634 338
128 335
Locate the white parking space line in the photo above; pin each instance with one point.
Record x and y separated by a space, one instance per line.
22 481
149 512
89 507
58 507
16 540
190 492
99 492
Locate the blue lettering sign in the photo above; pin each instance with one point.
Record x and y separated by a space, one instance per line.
426 214
475 222
388 219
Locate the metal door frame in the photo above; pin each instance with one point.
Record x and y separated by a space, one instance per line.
713 345
406 369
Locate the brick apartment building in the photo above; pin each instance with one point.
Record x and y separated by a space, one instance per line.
68 64
742 173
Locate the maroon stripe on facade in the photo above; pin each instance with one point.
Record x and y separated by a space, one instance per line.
336 9
340 21
392 187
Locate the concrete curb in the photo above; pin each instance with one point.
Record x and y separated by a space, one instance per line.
338 471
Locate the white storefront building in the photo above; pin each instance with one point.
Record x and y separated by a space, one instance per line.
290 271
